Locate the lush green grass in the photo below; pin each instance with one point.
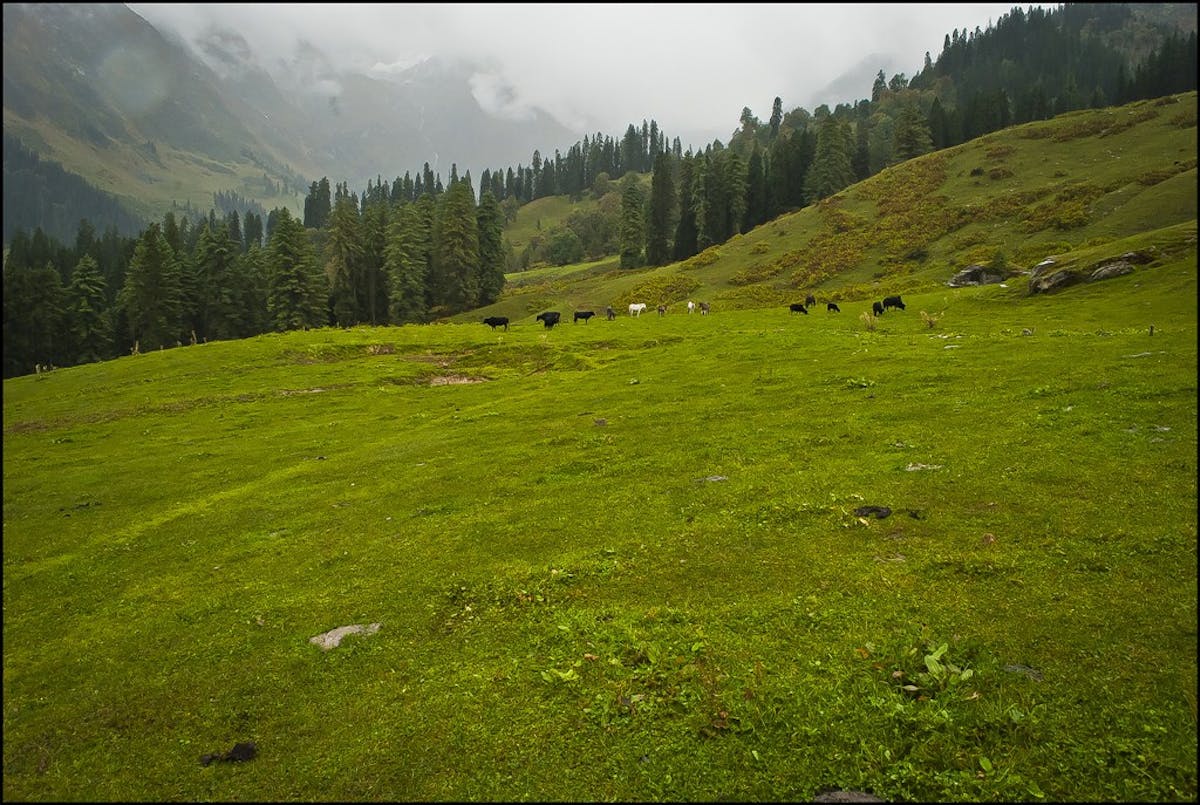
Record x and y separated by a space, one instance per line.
627 565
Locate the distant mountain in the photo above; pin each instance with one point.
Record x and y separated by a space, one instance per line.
151 119
855 83
98 90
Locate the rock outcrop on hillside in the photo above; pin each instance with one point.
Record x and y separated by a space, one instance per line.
978 275
1043 279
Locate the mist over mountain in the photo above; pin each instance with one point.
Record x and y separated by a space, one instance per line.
355 125
154 119
260 103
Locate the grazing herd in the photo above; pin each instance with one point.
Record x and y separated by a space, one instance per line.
552 317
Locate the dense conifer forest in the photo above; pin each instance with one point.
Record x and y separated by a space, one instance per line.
415 250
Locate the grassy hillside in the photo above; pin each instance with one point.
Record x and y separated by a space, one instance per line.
148 179
624 560
101 92
1043 189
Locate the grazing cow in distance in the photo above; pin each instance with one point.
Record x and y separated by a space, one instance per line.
662 310
549 319
691 306
810 300
610 313
637 308
583 314
496 321
877 308
892 301
796 307
833 308
704 308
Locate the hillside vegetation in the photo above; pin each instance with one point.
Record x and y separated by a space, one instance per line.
947 554
626 560
1017 196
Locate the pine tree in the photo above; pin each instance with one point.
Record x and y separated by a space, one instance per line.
455 249
631 150
860 162
662 207
881 142
35 321
310 207
632 231
911 137
685 229
87 300
879 88
170 230
234 225
406 261
343 262
85 238
778 175
490 220
374 232
252 308
702 192
776 119
938 130
252 230
151 294
756 191
736 194
322 206
296 288
831 170
216 268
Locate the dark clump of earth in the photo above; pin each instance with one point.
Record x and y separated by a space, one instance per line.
241 752
872 511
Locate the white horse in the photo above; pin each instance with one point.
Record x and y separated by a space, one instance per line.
636 308
691 306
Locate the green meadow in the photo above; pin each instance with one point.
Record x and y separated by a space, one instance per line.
644 559
618 560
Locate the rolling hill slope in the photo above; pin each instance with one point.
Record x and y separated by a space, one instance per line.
1019 195
748 556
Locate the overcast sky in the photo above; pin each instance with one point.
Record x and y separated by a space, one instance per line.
599 67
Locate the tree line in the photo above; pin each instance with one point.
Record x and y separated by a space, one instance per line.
413 250
182 281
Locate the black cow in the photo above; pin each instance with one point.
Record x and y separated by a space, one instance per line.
796 307
810 300
877 308
833 308
610 313
662 310
704 308
892 301
549 318
496 321
583 314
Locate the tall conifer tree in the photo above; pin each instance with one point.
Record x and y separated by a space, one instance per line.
632 231
344 263
685 229
406 261
831 169
490 219
151 294
662 207
90 327
455 249
296 288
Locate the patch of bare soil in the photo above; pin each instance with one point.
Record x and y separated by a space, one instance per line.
455 380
